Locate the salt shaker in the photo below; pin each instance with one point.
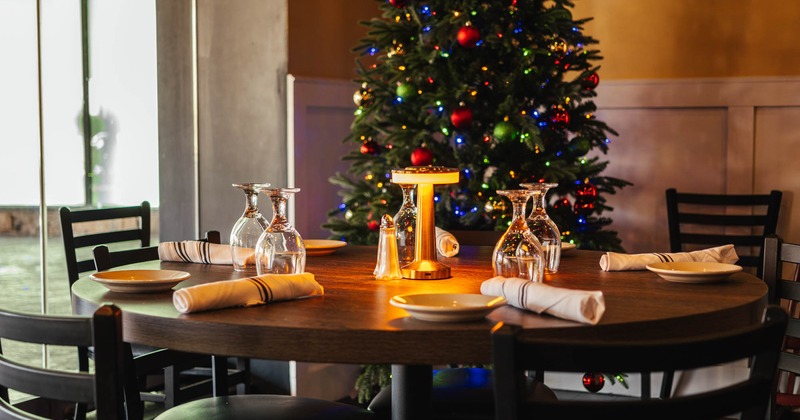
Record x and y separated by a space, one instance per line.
388 265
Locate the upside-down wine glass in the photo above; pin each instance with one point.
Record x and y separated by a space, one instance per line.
543 227
280 249
247 230
518 253
405 224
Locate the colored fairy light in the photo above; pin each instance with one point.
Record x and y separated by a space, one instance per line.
578 182
512 174
459 140
485 160
403 126
542 124
484 68
342 207
581 220
380 185
430 80
535 114
485 186
425 10
527 71
426 29
372 51
358 111
583 161
487 139
575 29
440 109
444 54
456 211
398 100
473 13
388 175
479 43
547 163
473 210
456 13
558 153
369 177
467 173
436 197
401 68
606 141
445 131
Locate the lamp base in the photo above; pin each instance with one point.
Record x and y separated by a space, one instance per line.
425 270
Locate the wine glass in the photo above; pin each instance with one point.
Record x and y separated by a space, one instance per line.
247 230
543 227
405 224
518 253
280 249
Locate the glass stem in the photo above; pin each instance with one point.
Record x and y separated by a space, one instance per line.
279 220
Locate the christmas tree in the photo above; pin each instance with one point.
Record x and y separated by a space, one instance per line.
500 90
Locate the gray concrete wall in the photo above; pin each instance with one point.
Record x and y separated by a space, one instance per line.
240 131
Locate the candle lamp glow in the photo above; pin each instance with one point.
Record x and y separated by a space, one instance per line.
425 265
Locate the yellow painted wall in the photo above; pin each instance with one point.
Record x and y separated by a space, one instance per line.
639 39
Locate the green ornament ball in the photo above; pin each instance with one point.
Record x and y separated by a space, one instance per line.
504 131
580 145
405 90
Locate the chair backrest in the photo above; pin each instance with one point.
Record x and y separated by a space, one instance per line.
703 211
515 351
787 291
105 259
102 388
112 230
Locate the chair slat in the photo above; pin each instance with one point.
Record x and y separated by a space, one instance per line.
709 239
722 219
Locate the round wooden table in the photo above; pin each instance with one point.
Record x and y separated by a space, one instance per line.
354 322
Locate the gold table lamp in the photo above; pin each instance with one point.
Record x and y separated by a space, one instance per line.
425 266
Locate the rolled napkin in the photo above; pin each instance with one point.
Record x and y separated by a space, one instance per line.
575 305
245 292
198 252
612 261
446 243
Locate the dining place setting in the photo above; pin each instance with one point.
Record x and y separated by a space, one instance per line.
271 257
419 282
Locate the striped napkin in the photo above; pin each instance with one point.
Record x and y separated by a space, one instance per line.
446 243
195 252
247 291
575 305
612 261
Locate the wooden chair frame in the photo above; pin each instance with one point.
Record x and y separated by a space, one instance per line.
101 389
515 352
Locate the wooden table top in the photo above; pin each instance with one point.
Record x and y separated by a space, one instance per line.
354 322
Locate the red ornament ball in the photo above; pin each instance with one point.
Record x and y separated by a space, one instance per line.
398 3
370 147
586 191
461 117
564 202
421 156
591 81
584 206
593 381
468 36
373 225
559 118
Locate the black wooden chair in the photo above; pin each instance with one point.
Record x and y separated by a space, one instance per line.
515 351
777 255
127 229
712 226
56 391
178 365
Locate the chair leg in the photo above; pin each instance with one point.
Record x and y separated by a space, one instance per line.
646 386
133 402
172 386
666 384
219 375
243 365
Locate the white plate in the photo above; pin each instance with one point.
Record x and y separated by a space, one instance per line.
566 247
694 272
447 307
317 247
139 281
